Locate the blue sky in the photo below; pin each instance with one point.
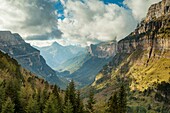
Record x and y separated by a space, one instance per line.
60 9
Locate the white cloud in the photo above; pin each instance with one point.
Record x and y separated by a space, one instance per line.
28 17
139 8
90 21
93 21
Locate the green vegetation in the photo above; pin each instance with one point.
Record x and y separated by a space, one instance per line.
118 103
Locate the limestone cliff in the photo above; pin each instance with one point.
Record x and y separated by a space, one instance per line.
103 50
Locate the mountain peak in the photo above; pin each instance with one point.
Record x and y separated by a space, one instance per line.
55 44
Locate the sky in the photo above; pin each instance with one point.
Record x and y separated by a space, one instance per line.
72 22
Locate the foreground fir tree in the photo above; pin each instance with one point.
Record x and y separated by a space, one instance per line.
113 103
58 99
117 103
79 103
68 108
32 106
122 100
2 96
8 106
91 102
50 106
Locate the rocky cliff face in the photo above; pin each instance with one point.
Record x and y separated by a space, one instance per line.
103 50
152 33
27 56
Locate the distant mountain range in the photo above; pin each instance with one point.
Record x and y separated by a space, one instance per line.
57 54
77 63
27 56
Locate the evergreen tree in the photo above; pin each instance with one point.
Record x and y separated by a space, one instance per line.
12 88
122 100
79 103
91 102
2 96
8 106
32 106
43 97
66 97
58 99
68 108
72 95
113 104
50 105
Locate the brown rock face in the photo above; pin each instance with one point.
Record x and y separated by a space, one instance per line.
103 50
158 10
151 34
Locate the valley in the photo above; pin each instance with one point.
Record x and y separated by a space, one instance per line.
130 75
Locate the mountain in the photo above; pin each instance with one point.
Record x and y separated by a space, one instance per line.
57 54
142 63
27 56
73 64
90 64
21 91
104 49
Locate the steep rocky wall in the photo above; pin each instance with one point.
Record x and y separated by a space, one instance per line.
151 33
103 50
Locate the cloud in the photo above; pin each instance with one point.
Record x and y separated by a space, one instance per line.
28 17
93 21
84 22
139 8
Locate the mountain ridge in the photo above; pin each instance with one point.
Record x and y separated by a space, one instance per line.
27 56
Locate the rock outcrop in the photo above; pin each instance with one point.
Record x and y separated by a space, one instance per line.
27 56
152 33
103 50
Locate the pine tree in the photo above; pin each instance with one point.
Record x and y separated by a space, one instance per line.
72 95
122 100
50 105
79 103
43 97
113 104
91 102
32 106
58 99
8 106
2 96
68 108
66 97
12 88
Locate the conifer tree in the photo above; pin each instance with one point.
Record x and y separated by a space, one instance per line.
43 97
113 104
122 100
79 103
50 105
8 106
68 108
91 102
58 99
66 97
32 106
2 96
72 94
